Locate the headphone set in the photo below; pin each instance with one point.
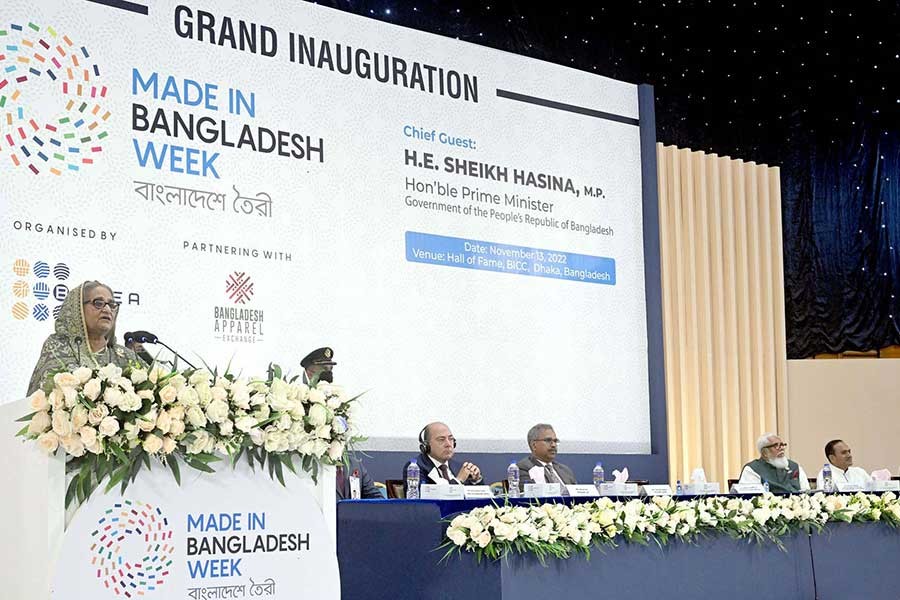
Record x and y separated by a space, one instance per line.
425 446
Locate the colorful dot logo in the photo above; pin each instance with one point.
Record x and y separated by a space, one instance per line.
69 139
20 311
21 267
20 289
143 531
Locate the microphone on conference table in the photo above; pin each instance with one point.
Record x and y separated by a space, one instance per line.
145 337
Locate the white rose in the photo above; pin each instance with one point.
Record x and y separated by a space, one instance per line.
318 414
61 423
79 417
39 401
307 446
217 411
200 376
339 425
113 396
168 445
82 374
456 536
316 396
240 395
71 396
155 373
73 445
226 427
109 426
91 389
188 396
164 421
177 427
130 402
273 440
218 392
152 444
202 442
168 394
196 417
56 400
324 432
138 376
262 412
48 442
95 448
284 422
204 395
65 380
147 423
110 371
336 450
123 383
245 424
96 414
39 423
88 435
145 394
483 539
320 446
257 436
334 401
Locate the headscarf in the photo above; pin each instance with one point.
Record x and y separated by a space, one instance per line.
68 347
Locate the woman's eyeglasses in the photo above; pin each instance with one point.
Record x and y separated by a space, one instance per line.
99 304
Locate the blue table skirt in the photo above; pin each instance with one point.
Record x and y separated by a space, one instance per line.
386 549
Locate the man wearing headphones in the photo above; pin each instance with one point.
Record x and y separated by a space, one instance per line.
437 446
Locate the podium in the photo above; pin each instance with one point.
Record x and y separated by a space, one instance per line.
217 535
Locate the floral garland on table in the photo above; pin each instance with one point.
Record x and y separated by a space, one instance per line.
112 422
560 530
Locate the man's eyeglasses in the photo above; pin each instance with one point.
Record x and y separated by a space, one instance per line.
99 304
549 440
778 446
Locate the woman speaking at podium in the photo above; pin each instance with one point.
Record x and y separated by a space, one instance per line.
85 334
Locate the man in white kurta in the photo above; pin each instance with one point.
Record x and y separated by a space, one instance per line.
842 469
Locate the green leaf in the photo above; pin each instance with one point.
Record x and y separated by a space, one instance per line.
172 462
288 460
123 459
278 471
117 476
22 431
70 491
26 418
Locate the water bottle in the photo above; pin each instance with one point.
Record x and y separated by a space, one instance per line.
765 486
827 479
679 489
512 478
599 476
412 480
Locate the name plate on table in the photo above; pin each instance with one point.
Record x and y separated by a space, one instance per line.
701 489
580 490
434 491
656 490
845 487
542 490
748 488
884 486
477 491
618 489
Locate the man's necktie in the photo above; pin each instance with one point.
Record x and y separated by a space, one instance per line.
445 473
550 474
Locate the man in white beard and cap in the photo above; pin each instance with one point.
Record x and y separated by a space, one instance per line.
773 466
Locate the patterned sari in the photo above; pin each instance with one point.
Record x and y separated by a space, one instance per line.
67 348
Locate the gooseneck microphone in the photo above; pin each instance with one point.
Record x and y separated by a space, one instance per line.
145 337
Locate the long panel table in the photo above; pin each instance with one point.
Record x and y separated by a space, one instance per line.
387 549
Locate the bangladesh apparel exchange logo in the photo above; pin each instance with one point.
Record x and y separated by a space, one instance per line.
41 289
131 549
32 56
239 288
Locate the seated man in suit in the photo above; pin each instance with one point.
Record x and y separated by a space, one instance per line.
437 446
842 470
773 466
354 476
541 465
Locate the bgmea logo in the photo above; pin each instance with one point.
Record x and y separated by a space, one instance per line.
238 324
239 288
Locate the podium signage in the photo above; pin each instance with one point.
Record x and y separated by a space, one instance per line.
618 489
542 490
845 487
477 491
656 490
884 486
233 534
435 491
701 489
580 490
747 488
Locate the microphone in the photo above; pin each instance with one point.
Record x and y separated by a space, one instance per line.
78 342
145 337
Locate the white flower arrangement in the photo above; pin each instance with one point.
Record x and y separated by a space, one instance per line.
560 530
112 421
